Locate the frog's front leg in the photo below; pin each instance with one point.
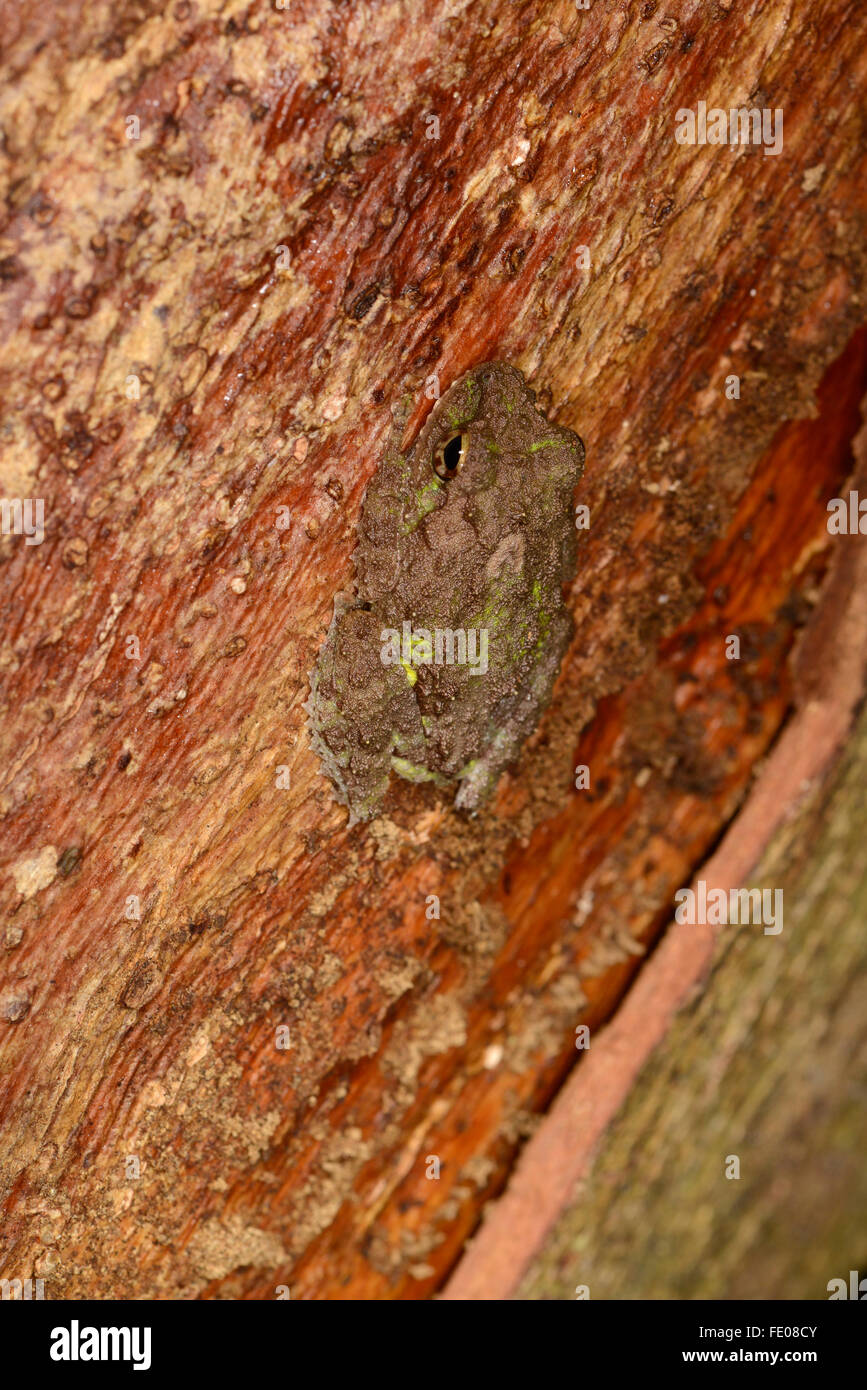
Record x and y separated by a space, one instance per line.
362 713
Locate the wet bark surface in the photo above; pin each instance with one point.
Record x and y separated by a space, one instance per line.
203 331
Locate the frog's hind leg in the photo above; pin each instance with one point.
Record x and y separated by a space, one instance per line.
516 720
361 713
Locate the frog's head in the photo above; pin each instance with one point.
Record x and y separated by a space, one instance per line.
486 421
465 429
442 452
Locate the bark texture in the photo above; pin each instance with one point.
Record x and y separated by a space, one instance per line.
799 839
280 253
769 1067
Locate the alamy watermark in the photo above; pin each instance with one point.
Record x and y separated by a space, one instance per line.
422 646
742 125
77 1343
21 1290
856 1287
714 907
23 517
847 517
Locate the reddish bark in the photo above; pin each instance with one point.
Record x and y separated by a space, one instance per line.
263 388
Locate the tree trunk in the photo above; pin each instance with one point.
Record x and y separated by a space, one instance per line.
234 236
769 1068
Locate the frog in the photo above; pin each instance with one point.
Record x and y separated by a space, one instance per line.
441 661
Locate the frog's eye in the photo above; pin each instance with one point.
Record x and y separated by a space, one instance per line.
449 457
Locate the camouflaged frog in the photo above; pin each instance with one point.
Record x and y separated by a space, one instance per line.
441 665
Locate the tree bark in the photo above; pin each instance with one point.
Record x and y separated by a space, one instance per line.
233 238
768 1068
